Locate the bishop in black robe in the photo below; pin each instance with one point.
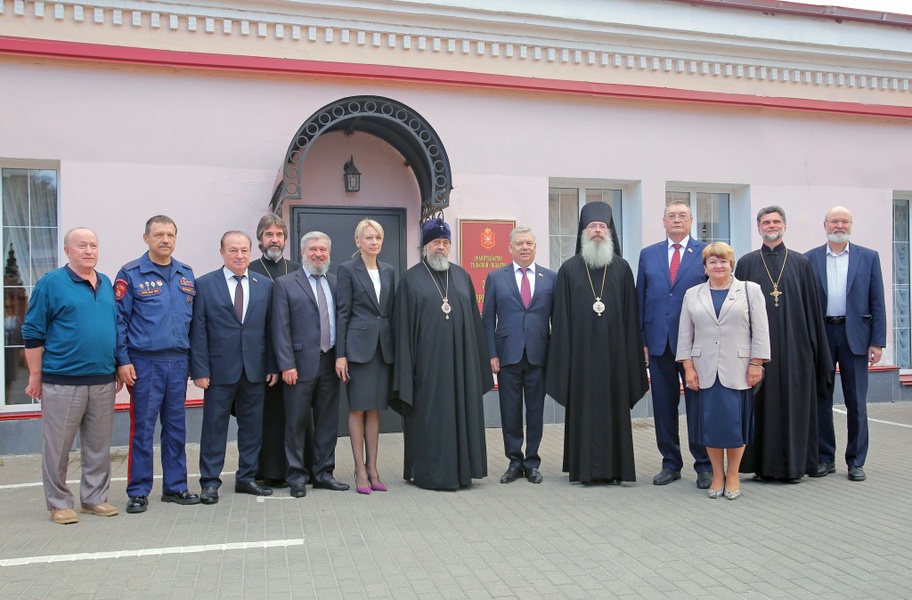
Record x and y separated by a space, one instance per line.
596 367
784 445
441 374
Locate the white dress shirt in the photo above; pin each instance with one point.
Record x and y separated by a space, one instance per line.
837 276
232 287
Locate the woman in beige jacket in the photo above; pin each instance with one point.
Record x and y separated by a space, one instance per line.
723 341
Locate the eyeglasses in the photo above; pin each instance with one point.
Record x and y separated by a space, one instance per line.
677 217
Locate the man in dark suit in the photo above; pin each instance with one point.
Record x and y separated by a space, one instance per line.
231 359
304 338
666 271
517 323
851 292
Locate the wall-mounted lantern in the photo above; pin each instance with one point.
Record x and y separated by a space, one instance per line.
352 176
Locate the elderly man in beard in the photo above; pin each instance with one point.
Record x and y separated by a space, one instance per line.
596 367
441 370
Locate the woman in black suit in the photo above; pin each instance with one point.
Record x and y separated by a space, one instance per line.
365 295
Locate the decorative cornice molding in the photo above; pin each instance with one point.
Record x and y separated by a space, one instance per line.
800 73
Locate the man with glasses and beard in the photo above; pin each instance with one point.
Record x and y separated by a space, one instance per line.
851 292
272 235
596 367
442 369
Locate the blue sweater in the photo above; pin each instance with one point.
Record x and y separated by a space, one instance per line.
77 326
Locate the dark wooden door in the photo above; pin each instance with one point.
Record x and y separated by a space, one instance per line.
339 224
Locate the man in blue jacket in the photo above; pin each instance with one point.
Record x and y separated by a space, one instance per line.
851 292
154 307
70 336
666 271
517 324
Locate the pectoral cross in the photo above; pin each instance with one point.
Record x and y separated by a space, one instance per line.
775 294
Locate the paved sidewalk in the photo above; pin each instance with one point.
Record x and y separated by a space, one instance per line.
827 537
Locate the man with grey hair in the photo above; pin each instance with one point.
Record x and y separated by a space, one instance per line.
70 334
851 291
784 445
596 367
306 356
442 369
272 235
517 322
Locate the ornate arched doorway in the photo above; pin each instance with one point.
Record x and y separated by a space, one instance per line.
393 122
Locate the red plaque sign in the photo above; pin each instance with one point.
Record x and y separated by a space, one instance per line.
483 247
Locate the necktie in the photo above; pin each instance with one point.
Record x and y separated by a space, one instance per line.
239 299
675 262
525 289
324 314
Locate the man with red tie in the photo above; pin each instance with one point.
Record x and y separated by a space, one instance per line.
517 323
666 271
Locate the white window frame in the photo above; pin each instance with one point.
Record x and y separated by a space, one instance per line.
7 163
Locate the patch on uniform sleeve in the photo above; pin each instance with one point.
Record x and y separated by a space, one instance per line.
120 288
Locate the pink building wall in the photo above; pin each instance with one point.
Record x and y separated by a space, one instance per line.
206 149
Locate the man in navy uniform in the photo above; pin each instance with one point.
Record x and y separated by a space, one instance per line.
231 359
666 271
517 323
851 292
154 306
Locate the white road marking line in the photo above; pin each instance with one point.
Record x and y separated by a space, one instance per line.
12 486
870 420
265 498
52 558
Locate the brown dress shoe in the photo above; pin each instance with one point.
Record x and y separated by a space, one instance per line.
64 516
102 510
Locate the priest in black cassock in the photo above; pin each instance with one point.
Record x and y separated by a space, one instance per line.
596 367
272 234
784 444
442 370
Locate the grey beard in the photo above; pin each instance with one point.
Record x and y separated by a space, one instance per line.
274 254
438 263
772 236
315 270
838 238
597 254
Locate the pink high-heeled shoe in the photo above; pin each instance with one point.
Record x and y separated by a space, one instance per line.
358 488
377 487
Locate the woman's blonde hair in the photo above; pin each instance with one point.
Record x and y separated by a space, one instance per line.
719 250
364 224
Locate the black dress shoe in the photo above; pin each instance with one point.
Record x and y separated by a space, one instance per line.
857 473
666 476
704 480
185 497
533 475
209 495
510 475
137 504
824 469
331 484
253 488
298 491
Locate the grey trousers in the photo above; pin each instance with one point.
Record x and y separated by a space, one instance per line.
66 409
